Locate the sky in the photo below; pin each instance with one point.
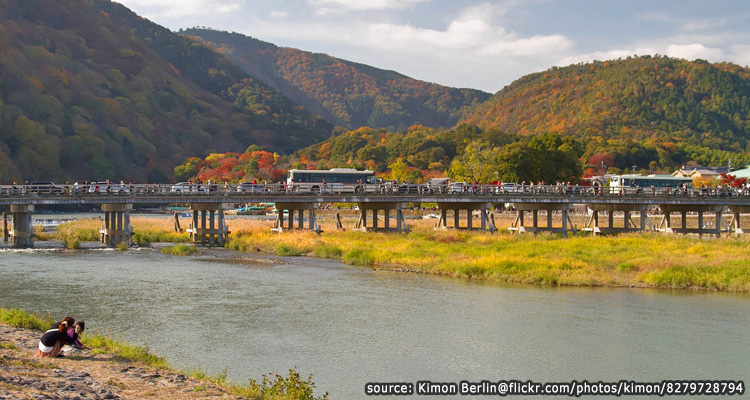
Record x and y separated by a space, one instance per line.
482 45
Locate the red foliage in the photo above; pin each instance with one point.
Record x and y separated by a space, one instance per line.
732 180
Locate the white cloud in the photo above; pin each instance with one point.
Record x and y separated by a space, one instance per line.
606 55
686 51
179 9
693 51
278 14
337 6
535 45
741 54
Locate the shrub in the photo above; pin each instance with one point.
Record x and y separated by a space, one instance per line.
285 250
327 251
22 319
181 250
359 257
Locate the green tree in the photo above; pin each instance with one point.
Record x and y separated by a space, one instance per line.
475 164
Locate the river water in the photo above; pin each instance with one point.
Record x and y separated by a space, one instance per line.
348 326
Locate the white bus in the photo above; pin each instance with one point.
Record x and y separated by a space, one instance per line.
649 180
336 179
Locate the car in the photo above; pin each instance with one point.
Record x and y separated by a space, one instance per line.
187 187
249 187
511 188
457 187
44 187
108 188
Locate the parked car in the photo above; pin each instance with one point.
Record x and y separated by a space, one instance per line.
187 187
44 187
249 187
457 187
108 188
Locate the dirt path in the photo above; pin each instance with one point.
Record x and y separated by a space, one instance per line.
87 376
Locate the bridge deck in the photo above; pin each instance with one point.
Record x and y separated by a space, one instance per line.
166 193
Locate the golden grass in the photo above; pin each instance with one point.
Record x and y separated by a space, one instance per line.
637 259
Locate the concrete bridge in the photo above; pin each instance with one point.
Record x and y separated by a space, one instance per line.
209 202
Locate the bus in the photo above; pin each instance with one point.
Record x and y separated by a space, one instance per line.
336 179
656 181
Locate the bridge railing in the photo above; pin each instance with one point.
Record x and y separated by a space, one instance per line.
388 188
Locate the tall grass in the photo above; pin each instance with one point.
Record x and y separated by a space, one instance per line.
181 250
21 319
101 344
637 259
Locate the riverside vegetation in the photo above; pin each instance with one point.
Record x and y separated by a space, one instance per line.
636 259
272 387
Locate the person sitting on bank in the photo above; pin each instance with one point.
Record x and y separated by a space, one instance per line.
70 321
74 338
52 341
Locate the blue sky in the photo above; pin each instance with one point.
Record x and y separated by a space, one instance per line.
477 44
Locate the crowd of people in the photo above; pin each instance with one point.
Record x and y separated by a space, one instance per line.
64 333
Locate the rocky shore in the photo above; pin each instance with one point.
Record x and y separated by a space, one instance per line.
85 375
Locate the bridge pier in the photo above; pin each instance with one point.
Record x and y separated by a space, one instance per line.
486 223
665 225
387 207
22 231
208 226
116 228
628 225
300 208
519 226
734 222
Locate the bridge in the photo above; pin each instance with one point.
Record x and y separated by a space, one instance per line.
210 201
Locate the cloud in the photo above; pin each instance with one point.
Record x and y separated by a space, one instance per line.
179 9
535 45
278 14
693 51
685 51
741 54
606 55
323 7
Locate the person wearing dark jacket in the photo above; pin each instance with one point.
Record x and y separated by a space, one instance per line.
53 340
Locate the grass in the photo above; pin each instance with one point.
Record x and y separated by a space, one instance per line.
272 387
22 319
181 250
635 259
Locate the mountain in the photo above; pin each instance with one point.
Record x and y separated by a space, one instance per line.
663 101
344 92
90 90
643 114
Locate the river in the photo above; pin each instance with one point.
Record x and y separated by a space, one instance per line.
348 326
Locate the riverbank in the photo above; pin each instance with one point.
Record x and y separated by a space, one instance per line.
113 370
628 260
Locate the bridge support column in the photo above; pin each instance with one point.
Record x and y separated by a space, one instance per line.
300 208
735 223
387 207
719 226
6 234
22 231
592 225
116 228
208 226
518 224
485 222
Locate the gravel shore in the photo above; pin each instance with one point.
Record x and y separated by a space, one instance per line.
83 375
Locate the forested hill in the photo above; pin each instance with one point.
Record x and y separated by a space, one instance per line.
658 101
89 90
345 93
